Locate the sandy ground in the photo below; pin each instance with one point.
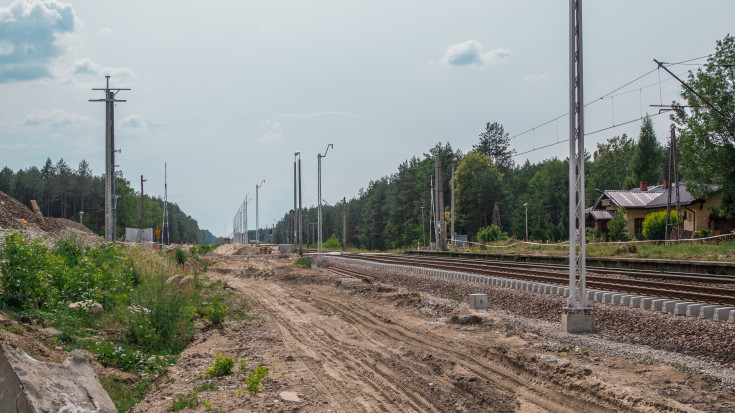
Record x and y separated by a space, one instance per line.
343 345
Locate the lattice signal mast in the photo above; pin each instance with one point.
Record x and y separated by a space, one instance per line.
110 197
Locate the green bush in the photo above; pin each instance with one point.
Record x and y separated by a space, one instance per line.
617 227
702 233
180 256
491 234
654 225
252 383
216 312
303 261
223 366
332 243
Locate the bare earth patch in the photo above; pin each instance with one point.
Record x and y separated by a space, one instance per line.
342 345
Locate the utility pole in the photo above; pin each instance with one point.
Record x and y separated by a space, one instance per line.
344 223
295 212
442 239
110 197
142 208
165 205
453 235
423 228
319 204
257 223
301 222
245 202
526 205
673 170
577 316
432 214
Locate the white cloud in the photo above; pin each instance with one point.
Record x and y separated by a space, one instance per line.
471 53
55 118
87 67
316 115
138 122
105 31
533 78
271 131
30 30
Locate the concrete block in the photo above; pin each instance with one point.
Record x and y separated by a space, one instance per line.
625 301
548 289
598 296
616 298
478 301
723 313
590 295
681 308
708 311
577 323
670 305
31 386
657 304
731 318
646 303
693 309
607 297
635 301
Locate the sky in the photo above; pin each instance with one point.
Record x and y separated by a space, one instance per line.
226 91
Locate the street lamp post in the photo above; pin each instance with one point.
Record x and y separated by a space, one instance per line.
319 210
257 223
526 205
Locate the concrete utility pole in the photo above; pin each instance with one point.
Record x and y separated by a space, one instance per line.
295 211
142 208
423 229
673 173
257 223
453 236
245 224
164 225
110 197
577 317
300 223
432 214
319 204
442 239
344 223
526 205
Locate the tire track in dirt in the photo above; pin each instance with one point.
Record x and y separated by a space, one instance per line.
312 342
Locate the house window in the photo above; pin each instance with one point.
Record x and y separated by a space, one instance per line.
638 227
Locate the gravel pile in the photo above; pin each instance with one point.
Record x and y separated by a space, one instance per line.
660 333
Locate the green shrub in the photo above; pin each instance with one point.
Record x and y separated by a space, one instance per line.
252 383
654 225
491 234
303 261
617 227
216 312
223 366
182 402
702 233
27 281
180 256
332 243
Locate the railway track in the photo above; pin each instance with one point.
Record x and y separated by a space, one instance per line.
348 273
669 288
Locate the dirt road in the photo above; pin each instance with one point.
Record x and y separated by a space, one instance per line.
343 345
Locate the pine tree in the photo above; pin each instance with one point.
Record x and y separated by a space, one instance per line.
645 165
494 143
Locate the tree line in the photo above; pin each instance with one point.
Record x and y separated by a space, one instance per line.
393 211
62 192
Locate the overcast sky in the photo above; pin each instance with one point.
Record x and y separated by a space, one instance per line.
227 91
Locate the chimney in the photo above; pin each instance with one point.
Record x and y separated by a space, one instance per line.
659 183
644 186
666 183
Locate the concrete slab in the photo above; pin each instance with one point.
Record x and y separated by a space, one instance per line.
607 297
681 308
577 323
731 318
722 314
635 301
598 296
693 309
625 301
617 298
670 305
658 304
646 303
708 311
